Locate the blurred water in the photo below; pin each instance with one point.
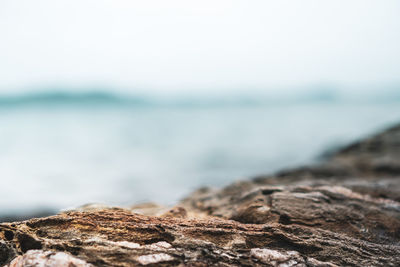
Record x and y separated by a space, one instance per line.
61 155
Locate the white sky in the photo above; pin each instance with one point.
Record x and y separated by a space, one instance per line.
195 45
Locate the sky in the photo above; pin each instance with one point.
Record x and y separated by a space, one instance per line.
186 46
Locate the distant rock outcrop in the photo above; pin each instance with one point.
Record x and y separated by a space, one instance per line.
343 212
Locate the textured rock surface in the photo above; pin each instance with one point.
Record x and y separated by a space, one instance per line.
47 258
343 212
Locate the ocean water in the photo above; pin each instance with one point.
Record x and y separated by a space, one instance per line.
60 150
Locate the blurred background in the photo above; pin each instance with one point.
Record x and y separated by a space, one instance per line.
121 102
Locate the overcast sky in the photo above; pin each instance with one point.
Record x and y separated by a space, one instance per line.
196 45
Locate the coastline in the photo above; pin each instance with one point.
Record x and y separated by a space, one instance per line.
342 211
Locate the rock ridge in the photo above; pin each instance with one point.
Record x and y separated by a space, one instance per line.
344 211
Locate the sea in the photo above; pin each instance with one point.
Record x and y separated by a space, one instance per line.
61 150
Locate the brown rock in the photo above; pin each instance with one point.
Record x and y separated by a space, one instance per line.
117 237
343 212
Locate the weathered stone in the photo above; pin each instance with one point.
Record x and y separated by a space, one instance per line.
47 258
7 251
343 212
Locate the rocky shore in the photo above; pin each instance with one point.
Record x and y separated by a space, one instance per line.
342 212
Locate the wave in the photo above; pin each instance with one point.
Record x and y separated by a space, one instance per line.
69 98
113 99
104 98
53 99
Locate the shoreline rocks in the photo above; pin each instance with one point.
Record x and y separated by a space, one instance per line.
342 212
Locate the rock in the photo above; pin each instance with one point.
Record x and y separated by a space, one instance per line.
154 258
343 212
176 212
7 251
47 258
277 258
149 209
117 237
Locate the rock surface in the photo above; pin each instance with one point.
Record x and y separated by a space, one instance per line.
342 212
